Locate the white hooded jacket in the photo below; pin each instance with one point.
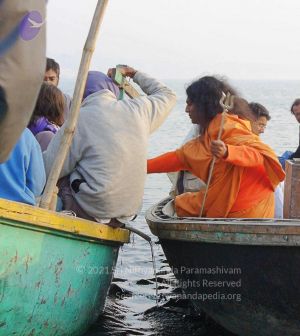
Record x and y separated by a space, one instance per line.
109 148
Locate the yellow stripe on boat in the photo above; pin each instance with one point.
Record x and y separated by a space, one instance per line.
47 219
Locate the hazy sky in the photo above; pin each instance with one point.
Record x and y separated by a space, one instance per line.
241 39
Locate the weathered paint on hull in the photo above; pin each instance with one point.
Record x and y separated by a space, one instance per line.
55 270
51 283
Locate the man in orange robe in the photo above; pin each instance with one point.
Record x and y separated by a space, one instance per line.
244 178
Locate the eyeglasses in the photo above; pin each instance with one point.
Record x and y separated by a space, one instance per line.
261 125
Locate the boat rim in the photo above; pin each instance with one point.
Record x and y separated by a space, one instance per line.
256 231
38 219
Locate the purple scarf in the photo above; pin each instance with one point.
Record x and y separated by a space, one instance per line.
42 124
97 81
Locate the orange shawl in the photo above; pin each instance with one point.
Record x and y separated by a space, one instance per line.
226 178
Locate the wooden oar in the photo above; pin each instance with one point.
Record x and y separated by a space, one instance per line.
226 102
77 98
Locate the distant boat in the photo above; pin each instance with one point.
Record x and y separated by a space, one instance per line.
244 273
55 270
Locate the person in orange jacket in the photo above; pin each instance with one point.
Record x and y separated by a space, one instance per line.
246 171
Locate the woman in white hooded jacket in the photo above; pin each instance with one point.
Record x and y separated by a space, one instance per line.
106 164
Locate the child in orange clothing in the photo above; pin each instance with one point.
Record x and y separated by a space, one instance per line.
246 172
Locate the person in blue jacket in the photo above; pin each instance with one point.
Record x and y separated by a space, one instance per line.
289 155
22 176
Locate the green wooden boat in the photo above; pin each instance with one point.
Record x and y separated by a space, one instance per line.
55 270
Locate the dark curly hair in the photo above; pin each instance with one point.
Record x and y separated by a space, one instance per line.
50 104
51 64
205 93
296 102
259 110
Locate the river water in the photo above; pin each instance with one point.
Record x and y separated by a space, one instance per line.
130 308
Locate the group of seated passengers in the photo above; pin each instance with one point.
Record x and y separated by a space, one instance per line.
108 155
22 176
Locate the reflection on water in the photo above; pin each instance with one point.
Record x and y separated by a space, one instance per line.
131 307
131 304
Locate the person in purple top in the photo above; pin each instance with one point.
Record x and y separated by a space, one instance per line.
48 114
43 124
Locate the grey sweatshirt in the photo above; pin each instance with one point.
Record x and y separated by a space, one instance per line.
109 148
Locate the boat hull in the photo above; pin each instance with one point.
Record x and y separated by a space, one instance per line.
52 282
253 291
244 273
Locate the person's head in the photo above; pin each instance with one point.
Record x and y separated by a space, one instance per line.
52 72
97 81
242 109
203 99
262 117
50 104
295 109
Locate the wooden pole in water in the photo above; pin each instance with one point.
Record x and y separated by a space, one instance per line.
77 98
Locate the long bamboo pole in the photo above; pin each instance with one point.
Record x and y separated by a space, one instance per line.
77 98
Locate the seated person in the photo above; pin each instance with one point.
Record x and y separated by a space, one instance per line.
262 117
52 75
188 182
185 181
289 155
48 114
258 127
22 176
246 172
104 172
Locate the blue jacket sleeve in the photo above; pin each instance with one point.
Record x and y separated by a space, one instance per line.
35 175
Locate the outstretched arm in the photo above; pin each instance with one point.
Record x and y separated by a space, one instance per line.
165 163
